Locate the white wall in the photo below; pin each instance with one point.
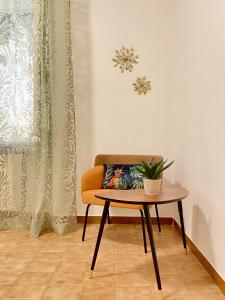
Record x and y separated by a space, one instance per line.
112 118
199 121
182 50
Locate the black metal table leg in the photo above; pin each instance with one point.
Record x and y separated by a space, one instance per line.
143 230
102 224
152 243
157 215
109 221
85 222
180 209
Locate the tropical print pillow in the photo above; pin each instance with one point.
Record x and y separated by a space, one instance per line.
122 177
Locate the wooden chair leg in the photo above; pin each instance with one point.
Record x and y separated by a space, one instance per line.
85 222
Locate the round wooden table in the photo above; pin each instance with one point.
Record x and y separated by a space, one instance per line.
167 195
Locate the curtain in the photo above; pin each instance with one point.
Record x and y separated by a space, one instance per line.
37 117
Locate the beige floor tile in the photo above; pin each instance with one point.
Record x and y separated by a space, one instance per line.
106 293
100 280
55 246
13 266
72 266
131 263
20 298
35 278
134 293
124 251
60 292
179 294
58 267
39 265
109 254
10 246
130 239
67 273
176 268
133 278
105 265
28 291
81 245
49 256
203 280
177 257
26 256
67 278
3 256
170 282
210 294
76 256
8 277
4 288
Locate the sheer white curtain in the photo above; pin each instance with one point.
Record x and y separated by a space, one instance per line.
16 76
37 117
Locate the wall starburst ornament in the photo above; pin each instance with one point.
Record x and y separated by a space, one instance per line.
142 85
125 58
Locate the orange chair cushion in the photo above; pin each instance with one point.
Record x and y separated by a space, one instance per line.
92 179
89 198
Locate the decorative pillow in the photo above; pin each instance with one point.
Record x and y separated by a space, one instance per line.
122 177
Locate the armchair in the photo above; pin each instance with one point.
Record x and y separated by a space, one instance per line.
92 180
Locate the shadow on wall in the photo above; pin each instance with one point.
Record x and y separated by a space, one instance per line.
80 18
201 233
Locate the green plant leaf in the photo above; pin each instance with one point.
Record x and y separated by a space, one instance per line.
153 169
165 161
147 168
158 170
167 166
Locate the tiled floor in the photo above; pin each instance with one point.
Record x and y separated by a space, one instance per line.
57 267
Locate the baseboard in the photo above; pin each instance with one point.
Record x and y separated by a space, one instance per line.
206 264
124 220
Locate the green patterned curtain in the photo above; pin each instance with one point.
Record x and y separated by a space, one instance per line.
37 117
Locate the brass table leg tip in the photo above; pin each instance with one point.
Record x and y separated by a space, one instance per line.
186 251
160 295
91 274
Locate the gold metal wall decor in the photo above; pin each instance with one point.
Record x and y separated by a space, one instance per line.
125 59
142 85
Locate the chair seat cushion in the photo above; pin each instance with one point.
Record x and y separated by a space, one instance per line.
122 176
89 198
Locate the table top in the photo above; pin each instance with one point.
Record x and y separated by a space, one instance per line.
138 196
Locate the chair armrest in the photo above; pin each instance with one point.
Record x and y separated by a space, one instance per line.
92 179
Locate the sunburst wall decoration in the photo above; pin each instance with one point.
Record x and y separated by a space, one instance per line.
125 59
142 85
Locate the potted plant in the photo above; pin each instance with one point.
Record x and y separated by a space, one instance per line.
151 173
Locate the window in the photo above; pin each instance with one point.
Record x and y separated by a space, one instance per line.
16 72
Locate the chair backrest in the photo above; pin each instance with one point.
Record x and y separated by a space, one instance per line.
102 159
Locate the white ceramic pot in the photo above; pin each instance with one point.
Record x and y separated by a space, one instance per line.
152 187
